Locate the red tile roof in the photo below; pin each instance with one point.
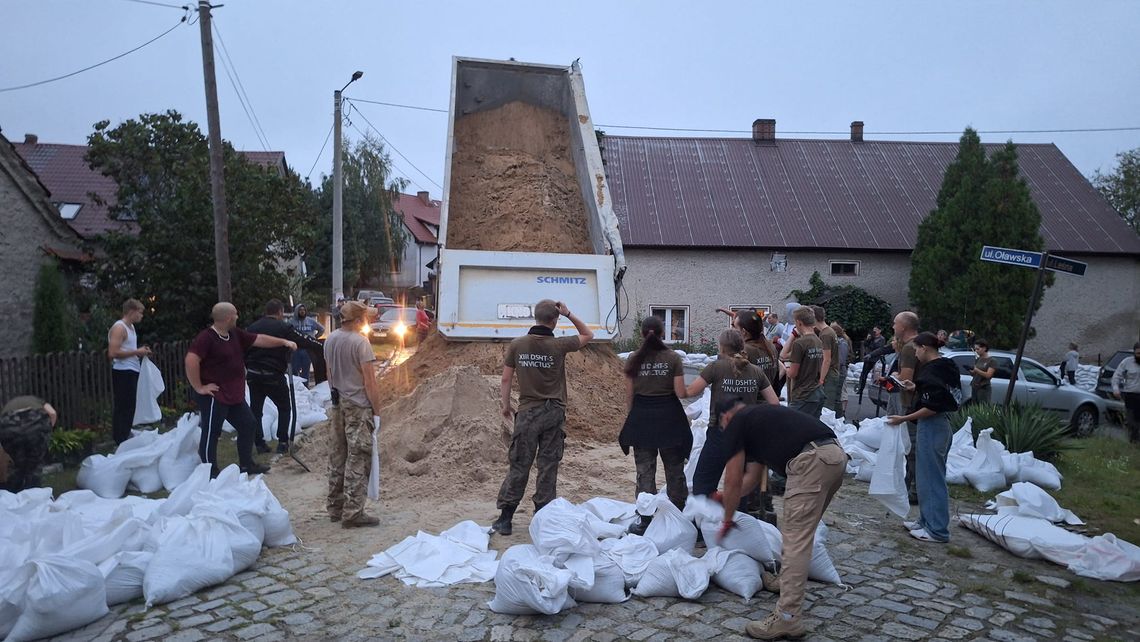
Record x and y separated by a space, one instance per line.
65 173
718 192
419 211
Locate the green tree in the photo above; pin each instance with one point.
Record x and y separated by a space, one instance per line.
1122 187
852 307
161 166
982 202
374 235
52 325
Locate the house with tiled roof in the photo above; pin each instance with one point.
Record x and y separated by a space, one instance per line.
83 196
31 230
741 222
420 214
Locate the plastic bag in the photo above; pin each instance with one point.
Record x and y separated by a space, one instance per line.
623 514
1027 468
374 471
104 476
748 534
1027 500
871 431
1105 557
674 573
822 569
734 571
180 457
62 594
961 453
527 583
608 586
985 471
670 529
562 529
141 454
150 386
123 575
888 481
205 548
632 554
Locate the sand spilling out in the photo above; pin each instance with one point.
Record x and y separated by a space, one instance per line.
513 185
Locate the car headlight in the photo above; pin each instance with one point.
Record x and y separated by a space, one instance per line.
400 329
365 329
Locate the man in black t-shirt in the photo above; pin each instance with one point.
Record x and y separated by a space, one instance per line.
801 447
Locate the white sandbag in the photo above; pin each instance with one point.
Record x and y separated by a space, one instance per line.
528 583
1028 500
104 476
961 453
130 534
150 386
1105 557
278 528
862 459
674 573
670 529
61 594
1022 535
608 586
203 549
985 471
822 569
140 454
734 571
888 481
1027 468
182 499
123 575
749 535
623 514
374 469
871 432
632 554
180 457
562 529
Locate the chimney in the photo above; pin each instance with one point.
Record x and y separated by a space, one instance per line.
764 130
31 139
424 198
856 131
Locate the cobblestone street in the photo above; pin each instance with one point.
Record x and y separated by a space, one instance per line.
899 589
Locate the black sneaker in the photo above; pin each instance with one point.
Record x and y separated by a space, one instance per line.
262 447
282 448
255 469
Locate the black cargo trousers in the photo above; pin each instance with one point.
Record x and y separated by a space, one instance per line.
538 434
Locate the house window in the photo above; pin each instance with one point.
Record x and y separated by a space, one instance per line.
844 268
762 309
779 262
68 211
676 320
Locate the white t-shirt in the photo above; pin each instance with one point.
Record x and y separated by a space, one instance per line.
130 344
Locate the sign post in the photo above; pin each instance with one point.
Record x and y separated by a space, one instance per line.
1041 261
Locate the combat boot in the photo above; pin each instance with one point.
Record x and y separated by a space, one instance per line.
502 525
640 527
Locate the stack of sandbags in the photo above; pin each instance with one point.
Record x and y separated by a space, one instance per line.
1086 376
147 462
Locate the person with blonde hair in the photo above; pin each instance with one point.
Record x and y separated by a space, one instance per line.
805 365
126 363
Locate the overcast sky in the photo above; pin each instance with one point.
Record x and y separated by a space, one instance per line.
904 66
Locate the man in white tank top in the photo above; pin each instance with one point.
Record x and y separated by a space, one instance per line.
126 360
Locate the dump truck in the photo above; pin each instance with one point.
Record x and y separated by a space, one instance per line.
526 211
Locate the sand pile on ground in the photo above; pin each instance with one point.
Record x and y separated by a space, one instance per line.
513 184
595 382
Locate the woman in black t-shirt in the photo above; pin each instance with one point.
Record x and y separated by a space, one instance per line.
656 424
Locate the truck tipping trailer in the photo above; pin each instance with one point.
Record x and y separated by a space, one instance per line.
526 212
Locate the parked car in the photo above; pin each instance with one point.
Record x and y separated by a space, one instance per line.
1104 378
1081 409
396 324
364 295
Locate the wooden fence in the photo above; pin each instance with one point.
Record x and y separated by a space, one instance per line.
78 384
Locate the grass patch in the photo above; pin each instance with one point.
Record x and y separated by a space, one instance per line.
1021 577
986 590
959 551
1102 486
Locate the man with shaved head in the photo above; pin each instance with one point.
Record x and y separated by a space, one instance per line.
215 367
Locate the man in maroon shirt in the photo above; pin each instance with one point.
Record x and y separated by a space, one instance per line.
215 367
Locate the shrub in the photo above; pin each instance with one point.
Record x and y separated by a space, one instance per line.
67 445
51 320
1020 428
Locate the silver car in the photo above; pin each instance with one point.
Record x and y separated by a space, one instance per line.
1036 386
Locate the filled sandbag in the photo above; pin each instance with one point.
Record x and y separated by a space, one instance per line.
60 594
528 583
1028 500
871 432
822 569
123 575
674 573
562 529
180 457
734 571
104 476
749 535
670 529
985 471
608 586
632 554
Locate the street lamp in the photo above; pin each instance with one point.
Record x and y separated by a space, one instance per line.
338 195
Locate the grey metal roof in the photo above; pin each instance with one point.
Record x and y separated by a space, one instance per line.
794 193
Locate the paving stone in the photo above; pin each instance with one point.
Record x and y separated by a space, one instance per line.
254 631
954 633
701 631
967 623
1101 619
903 632
1039 622
1003 635
984 568
225 625
182 603
892 605
212 604
868 612
195 620
1001 619
253 606
1053 581
642 634
1026 597
1078 634
924 587
979 612
220 591
922 622
258 582
149 633
1010 608
188 635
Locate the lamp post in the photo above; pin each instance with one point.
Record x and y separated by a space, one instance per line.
338 195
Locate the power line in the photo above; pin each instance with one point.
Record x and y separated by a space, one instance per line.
98 64
239 88
1070 130
394 166
389 143
320 153
161 4
241 101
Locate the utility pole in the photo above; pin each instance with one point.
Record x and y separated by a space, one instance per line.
217 173
338 194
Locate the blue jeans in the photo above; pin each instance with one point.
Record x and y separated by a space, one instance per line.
300 364
930 471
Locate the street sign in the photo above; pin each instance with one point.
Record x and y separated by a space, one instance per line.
1023 258
1068 266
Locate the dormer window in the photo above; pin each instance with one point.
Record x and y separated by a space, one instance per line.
68 211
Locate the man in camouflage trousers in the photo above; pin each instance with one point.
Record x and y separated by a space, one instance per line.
25 430
355 402
538 358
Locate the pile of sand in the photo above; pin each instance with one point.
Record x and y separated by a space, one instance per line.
595 381
513 185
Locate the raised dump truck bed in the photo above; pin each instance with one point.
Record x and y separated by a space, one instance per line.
526 208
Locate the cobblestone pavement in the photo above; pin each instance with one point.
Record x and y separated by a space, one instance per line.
900 589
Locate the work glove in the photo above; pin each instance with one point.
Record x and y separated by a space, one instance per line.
724 528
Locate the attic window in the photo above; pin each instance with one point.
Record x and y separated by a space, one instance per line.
68 211
844 268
